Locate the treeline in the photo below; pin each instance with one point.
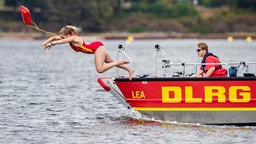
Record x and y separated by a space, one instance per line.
201 16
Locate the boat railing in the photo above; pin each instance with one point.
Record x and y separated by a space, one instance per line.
121 50
186 69
190 69
165 63
241 66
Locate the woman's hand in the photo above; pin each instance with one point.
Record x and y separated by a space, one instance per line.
47 43
48 46
43 44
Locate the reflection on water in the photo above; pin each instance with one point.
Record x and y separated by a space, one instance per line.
53 96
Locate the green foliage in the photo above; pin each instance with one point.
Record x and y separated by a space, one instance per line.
163 10
214 3
90 15
136 15
136 29
201 29
241 4
247 4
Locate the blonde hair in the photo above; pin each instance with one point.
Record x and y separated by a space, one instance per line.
69 29
203 46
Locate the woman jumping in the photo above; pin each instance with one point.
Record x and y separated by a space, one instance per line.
103 61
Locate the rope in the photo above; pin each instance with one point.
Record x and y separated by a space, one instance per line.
36 27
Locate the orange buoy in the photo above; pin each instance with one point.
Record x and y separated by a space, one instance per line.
28 21
25 15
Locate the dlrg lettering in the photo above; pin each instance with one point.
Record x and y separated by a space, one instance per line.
233 94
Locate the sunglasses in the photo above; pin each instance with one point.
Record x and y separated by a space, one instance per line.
198 50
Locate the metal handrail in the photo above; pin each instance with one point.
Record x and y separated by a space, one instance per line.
159 49
121 49
165 66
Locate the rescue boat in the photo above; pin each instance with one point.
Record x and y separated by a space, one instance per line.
183 98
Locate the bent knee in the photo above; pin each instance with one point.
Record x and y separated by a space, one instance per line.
99 70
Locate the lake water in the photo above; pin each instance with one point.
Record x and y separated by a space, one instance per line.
53 96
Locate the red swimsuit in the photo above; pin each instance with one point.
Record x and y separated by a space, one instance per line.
87 48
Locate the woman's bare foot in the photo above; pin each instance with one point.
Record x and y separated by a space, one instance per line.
120 62
131 71
121 65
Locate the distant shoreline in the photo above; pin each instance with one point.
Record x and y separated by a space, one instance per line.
145 35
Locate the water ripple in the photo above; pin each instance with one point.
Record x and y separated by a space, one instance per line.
53 97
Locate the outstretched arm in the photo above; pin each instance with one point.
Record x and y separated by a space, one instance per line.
57 40
53 38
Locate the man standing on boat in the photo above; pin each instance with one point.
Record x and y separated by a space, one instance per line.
209 70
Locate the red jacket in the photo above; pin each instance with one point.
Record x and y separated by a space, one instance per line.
219 71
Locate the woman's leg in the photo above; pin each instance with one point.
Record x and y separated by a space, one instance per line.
108 59
101 56
99 59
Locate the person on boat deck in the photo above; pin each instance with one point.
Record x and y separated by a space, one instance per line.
211 70
103 60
